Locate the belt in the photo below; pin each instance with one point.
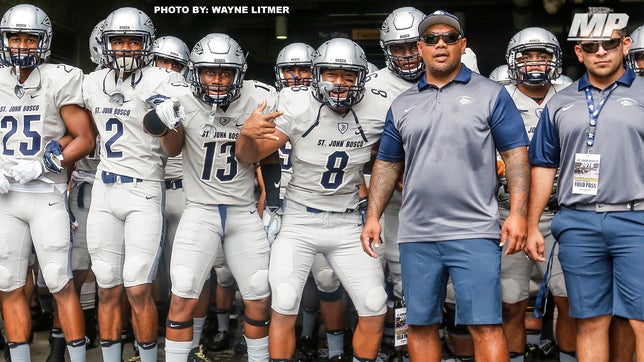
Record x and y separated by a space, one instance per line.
111 178
173 184
318 211
635 205
299 206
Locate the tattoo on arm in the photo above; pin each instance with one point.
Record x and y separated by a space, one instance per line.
517 173
383 180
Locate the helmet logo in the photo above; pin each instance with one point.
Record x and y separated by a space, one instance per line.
149 23
198 48
46 21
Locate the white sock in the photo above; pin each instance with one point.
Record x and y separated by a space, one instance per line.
111 353
20 353
197 328
177 351
78 353
257 349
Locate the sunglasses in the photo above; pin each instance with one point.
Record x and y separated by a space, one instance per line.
593 46
433 38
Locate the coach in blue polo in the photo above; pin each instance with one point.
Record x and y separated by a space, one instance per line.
445 131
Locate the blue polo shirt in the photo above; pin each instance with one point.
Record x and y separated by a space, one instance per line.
619 140
447 138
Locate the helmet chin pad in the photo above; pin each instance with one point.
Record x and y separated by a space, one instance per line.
535 78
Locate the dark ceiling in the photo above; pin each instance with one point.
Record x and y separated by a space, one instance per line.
488 24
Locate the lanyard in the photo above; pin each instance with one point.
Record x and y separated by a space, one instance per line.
593 113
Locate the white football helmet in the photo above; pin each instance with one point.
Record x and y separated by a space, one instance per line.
371 67
292 54
217 51
95 43
127 21
339 53
637 50
25 18
501 75
533 39
401 27
172 48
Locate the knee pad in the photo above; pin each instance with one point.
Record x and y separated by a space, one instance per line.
55 276
224 276
133 270
285 298
557 286
326 281
105 274
513 291
259 283
184 282
375 300
6 279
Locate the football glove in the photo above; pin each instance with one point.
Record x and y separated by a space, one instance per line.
170 112
4 183
53 156
26 170
272 222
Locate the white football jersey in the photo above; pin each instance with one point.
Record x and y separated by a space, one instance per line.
27 123
328 150
211 173
126 149
389 82
531 110
174 168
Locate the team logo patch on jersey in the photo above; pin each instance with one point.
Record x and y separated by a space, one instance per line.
538 112
464 100
343 127
626 102
224 120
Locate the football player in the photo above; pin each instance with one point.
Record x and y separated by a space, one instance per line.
45 131
220 203
80 190
293 69
125 221
332 127
533 57
635 57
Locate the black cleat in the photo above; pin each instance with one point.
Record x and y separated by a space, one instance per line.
57 347
220 341
198 355
307 347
